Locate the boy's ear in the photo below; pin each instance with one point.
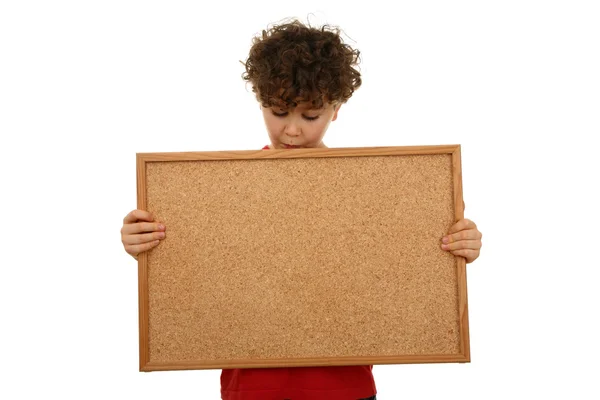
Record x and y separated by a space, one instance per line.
337 108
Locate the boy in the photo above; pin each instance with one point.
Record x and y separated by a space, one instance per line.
301 76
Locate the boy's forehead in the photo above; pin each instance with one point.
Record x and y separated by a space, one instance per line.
305 106
301 104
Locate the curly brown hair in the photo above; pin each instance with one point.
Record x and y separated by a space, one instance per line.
293 63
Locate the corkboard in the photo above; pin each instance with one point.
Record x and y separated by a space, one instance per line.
303 257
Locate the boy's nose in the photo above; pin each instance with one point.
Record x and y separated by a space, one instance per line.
292 130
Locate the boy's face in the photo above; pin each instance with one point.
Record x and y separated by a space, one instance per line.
298 127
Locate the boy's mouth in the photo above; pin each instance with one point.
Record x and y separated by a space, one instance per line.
288 146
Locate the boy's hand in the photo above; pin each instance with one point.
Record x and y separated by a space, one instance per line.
463 239
138 237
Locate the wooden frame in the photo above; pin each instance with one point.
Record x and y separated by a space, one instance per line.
144 160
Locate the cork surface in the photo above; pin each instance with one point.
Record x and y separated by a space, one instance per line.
303 257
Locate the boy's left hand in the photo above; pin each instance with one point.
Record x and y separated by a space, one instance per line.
463 239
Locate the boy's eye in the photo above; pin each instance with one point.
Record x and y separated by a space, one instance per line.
304 116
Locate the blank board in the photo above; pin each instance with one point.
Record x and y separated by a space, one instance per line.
302 257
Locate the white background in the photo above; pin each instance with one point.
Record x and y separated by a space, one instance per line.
84 85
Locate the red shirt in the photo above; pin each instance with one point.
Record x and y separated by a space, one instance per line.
298 383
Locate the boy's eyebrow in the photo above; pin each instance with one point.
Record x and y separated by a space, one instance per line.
303 109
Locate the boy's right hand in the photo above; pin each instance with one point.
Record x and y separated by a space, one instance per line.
137 236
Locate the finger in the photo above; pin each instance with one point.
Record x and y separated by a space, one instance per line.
466 253
462 225
462 244
142 238
133 229
137 215
469 234
136 249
